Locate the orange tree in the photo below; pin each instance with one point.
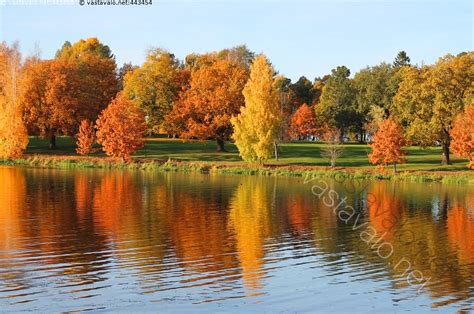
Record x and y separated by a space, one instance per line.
387 144
85 138
120 128
303 122
204 110
462 134
76 85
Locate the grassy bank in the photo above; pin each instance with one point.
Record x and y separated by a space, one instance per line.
296 159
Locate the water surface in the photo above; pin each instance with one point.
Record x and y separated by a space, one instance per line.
78 240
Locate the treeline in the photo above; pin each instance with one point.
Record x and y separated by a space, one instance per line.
232 94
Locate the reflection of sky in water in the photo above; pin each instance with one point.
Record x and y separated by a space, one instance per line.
78 240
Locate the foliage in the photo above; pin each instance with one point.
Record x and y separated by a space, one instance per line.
387 144
85 138
337 105
303 122
462 135
153 86
375 88
77 85
13 134
333 148
215 95
120 128
430 97
256 128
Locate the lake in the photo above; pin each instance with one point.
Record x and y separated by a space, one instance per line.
110 240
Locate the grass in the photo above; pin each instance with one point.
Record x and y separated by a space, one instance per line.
296 158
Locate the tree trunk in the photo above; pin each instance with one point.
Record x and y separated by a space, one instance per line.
276 150
52 139
220 145
395 167
446 159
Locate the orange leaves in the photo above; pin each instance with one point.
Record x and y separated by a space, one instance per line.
85 138
303 122
120 128
462 135
387 144
214 96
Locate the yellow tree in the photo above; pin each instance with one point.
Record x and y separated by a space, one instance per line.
430 97
13 134
153 87
257 126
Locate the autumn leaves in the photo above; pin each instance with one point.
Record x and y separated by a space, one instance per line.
232 95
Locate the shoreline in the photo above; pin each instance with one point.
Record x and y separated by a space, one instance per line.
75 162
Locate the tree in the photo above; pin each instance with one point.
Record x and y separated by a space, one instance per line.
13 134
85 138
375 88
303 122
120 128
462 134
333 148
126 68
256 128
429 98
204 110
401 60
152 87
62 92
303 92
387 144
337 105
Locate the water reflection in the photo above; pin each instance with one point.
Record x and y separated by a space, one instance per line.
112 239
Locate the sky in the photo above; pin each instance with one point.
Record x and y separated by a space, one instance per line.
301 37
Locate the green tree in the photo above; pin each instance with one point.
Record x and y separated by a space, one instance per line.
402 59
256 128
375 88
337 104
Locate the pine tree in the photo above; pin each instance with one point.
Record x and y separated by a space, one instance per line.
256 127
462 134
85 138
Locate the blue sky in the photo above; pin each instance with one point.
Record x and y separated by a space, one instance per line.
300 37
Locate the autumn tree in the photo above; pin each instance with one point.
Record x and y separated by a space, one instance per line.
120 128
256 128
153 86
303 122
204 110
13 134
430 97
333 147
85 138
74 86
387 144
462 134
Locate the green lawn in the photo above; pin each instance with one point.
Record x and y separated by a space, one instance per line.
296 153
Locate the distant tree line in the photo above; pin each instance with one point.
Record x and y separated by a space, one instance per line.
232 94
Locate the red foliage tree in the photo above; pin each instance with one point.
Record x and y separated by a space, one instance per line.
120 128
462 134
387 144
303 122
85 138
